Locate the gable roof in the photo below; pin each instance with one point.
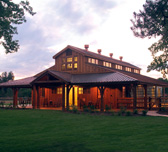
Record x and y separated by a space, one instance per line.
97 56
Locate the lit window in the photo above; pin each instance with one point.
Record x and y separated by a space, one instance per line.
96 61
75 65
89 60
93 61
63 67
107 64
118 67
128 69
69 66
69 59
80 90
59 90
136 71
63 60
75 58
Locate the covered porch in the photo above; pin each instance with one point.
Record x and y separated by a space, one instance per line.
58 90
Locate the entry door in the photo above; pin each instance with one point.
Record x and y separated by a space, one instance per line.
73 96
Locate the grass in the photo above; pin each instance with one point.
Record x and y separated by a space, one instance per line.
55 131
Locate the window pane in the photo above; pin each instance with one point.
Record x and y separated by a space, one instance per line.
69 66
75 58
75 65
80 90
93 61
89 60
69 59
63 59
63 67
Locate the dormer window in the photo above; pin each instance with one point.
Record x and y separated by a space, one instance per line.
128 69
91 60
107 64
136 71
118 67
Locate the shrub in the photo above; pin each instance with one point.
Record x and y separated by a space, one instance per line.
144 112
163 109
112 112
119 113
128 113
107 108
74 109
122 110
2 104
135 111
85 108
92 108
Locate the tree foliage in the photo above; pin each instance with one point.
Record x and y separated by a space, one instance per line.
152 21
5 76
12 14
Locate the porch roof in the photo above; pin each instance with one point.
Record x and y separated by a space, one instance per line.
18 83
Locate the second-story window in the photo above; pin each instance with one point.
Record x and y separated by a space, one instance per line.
128 69
136 71
107 64
118 67
69 59
69 66
75 66
63 67
75 59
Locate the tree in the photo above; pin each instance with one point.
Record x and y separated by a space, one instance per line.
12 14
152 21
4 77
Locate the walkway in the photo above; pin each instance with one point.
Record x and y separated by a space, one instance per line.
154 113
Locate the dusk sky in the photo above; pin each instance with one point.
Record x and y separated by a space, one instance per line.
103 24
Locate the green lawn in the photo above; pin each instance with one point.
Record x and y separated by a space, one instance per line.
49 130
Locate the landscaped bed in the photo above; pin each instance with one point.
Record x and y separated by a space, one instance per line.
50 130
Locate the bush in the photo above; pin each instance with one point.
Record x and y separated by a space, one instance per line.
135 111
128 113
163 109
122 110
74 109
92 108
144 112
119 113
85 108
107 108
2 104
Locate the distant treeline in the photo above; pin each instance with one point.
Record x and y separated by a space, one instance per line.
8 92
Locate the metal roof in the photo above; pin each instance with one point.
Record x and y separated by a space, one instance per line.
22 82
93 78
96 56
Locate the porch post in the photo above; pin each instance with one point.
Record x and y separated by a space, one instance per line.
134 96
34 97
38 97
67 95
145 97
155 94
63 97
15 97
101 89
163 95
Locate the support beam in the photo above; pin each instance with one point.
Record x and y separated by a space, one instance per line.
134 96
145 97
34 97
38 97
15 97
101 89
63 97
